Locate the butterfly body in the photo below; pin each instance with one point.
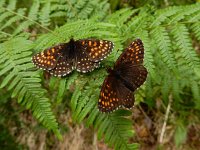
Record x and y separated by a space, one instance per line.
82 55
126 76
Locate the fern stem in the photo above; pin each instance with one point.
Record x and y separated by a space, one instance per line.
28 19
32 21
166 118
7 34
168 25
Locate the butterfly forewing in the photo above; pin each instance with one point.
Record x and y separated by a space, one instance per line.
47 59
133 54
97 50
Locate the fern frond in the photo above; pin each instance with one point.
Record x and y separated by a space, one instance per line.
196 29
32 15
195 91
176 89
14 19
75 98
5 15
183 41
85 104
61 90
117 129
71 79
45 14
163 42
162 15
25 84
183 13
194 17
42 14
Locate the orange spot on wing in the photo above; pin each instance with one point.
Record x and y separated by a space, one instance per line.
90 43
48 53
95 44
105 103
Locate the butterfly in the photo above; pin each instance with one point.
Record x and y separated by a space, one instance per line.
81 55
127 75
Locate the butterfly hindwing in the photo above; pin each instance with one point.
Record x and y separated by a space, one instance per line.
128 100
97 50
62 68
113 95
84 64
134 75
108 100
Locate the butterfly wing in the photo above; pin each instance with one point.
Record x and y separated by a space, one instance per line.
108 100
128 100
54 60
47 59
95 49
133 54
62 68
133 74
114 95
84 64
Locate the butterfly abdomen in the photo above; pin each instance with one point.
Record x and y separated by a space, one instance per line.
70 50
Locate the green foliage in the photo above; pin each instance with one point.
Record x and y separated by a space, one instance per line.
25 84
180 134
49 14
170 59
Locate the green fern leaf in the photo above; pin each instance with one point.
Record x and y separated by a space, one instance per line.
117 129
183 13
183 41
14 19
61 90
45 14
32 16
75 97
196 29
162 15
25 85
163 42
